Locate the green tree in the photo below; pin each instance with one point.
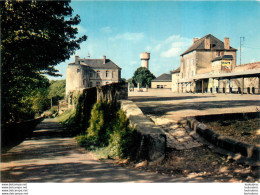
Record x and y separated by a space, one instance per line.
56 91
36 36
143 76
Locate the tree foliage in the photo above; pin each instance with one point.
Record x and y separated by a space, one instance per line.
143 76
36 36
56 91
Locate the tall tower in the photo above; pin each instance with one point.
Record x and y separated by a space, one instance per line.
145 56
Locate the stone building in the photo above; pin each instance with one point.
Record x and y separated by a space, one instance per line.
86 73
175 80
209 65
163 81
198 57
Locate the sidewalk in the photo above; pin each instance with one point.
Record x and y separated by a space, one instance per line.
50 157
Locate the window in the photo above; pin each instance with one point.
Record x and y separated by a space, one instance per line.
107 74
91 74
84 82
90 84
78 70
98 74
97 84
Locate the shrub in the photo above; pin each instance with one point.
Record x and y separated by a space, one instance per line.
109 129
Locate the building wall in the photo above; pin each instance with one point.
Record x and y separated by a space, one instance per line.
175 81
188 65
104 76
77 77
166 85
199 62
82 77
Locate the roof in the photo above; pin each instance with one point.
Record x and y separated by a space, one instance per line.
163 78
224 57
98 63
215 43
176 71
248 66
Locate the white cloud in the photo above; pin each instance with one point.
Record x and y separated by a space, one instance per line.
172 52
171 47
128 37
106 29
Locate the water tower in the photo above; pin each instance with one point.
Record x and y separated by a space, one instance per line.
145 57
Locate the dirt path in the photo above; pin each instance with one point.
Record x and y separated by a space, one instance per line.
50 156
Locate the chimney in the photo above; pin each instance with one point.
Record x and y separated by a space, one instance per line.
88 56
226 43
104 60
195 39
207 43
76 59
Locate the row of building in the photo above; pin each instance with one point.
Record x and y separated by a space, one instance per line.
209 66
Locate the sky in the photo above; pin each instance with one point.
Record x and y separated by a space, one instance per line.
121 30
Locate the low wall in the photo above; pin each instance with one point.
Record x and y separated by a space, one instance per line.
152 139
250 152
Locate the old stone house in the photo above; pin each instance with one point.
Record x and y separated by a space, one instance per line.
86 73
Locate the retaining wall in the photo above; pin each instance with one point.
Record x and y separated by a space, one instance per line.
152 139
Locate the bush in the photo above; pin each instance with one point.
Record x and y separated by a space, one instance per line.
109 129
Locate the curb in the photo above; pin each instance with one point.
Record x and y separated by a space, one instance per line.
250 152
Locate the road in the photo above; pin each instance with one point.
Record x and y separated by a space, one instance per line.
50 156
175 106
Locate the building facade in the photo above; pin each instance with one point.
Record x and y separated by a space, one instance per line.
86 73
163 81
209 65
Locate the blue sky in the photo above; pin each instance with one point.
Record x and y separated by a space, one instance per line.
121 30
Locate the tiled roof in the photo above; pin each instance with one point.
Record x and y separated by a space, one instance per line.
176 71
215 43
248 66
98 63
163 77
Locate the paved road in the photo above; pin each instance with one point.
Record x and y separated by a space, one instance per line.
49 156
175 106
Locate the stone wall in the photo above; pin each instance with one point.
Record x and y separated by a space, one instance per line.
111 93
151 137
